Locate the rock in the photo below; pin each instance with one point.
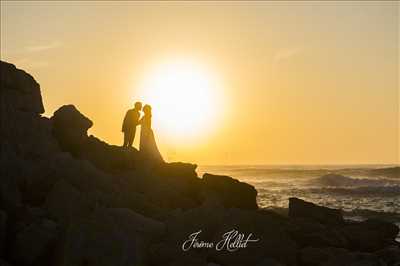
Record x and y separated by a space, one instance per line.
110 237
312 256
308 232
337 257
34 242
370 235
70 128
231 192
65 203
274 242
390 255
177 170
301 209
20 89
10 197
4 263
355 259
269 262
3 231
211 223
179 227
138 203
109 158
27 133
174 185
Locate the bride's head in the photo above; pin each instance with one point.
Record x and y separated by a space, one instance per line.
147 109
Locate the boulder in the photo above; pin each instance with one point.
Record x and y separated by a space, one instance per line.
211 222
390 255
109 237
355 259
310 233
274 242
3 262
174 185
312 256
269 262
231 192
301 209
3 231
109 158
370 235
10 197
19 89
35 242
26 133
65 203
179 227
337 257
70 128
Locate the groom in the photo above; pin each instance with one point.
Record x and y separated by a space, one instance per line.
131 120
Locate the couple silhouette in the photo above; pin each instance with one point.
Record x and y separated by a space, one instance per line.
148 146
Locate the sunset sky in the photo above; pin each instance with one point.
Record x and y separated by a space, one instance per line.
229 82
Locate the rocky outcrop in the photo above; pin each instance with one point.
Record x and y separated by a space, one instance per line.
301 209
20 90
34 241
338 257
69 199
117 237
213 224
70 128
23 130
370 235
65 203
231 192
3 231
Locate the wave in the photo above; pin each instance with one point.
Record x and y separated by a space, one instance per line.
299 171
335 180
382 191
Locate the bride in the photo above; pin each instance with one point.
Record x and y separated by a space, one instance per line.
148 145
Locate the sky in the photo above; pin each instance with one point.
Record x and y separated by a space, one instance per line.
256 82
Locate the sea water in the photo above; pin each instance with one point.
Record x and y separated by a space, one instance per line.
352 188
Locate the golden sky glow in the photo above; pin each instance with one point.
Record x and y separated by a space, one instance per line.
260 82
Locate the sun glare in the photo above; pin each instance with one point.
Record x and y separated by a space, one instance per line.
184 96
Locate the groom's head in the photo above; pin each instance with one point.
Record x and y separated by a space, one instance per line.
138 106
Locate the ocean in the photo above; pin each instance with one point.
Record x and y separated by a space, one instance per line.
361 191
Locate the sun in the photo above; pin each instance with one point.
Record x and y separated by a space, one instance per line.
184 97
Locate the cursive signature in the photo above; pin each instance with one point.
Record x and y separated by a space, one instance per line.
231 241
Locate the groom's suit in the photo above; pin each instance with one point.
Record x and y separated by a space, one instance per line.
131 120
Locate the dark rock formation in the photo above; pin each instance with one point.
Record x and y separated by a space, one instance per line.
337 257
20 90
308 232
34 241
213 221
3 231
70 128
301 209
118 237
231 192
69 199
370 235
